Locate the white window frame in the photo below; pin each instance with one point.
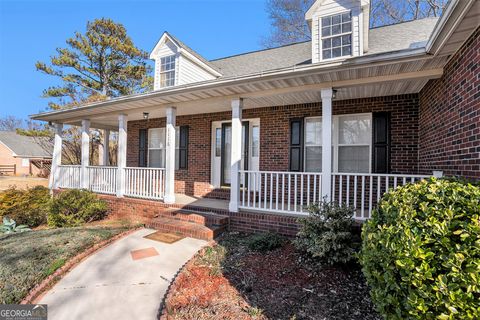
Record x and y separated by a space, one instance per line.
177 146
320 26
335 140
173 57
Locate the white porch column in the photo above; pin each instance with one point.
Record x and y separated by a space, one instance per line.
56 158
85 153
104 148
121 154
170 155
327 95
236 156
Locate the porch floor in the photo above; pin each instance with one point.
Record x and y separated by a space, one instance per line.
183 199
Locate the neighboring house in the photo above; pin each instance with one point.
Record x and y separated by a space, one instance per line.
345 116
21 155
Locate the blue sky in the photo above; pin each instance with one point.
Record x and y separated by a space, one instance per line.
31 30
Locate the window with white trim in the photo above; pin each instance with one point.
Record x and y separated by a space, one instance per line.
336 35
167 71
351 143
157 147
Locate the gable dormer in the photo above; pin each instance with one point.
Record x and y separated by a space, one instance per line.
177 64
339 28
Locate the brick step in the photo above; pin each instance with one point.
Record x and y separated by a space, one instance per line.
202 218
185 228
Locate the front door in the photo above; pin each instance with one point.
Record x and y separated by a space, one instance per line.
226 149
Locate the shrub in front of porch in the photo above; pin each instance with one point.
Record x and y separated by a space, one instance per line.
29 206
421 251
75 207
327 236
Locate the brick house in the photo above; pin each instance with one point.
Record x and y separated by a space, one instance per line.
258 136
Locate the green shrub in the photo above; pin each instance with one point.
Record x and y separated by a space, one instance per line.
74 207
326 235
28 206
421 251
10 226
264 242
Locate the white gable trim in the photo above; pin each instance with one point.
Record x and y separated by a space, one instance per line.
13 153
310 12
160 44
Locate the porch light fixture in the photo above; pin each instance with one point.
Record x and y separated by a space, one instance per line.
145 115
334 93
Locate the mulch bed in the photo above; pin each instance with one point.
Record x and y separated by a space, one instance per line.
229 281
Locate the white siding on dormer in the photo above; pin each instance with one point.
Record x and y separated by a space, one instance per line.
189 72
332 7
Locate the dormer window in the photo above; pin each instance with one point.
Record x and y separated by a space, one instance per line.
167 71
336 35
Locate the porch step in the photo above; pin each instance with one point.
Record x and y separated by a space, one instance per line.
185 228
201 218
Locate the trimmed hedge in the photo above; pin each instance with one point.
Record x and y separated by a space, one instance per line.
72 208
421 251
29 206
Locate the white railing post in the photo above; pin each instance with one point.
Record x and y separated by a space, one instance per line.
327 95
121 154
85 151
236 154
56 158
170 156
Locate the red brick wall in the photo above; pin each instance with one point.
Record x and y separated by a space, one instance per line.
449 118
274 136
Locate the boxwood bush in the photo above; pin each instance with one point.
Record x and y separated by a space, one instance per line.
327 234
421 251
75 207
29 206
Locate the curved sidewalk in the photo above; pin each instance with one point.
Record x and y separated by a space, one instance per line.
125 280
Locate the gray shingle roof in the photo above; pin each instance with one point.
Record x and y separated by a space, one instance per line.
406 35
23 146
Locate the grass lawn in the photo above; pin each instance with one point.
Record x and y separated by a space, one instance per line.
229 281
29 257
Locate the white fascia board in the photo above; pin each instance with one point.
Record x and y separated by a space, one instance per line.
160 43
313 9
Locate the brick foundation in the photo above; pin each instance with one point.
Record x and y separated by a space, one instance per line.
449 118
142 211
274 137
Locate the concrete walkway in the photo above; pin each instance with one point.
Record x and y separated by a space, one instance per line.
112 285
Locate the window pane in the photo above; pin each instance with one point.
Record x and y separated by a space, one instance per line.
156 138
337 52
255 141
336 29
327 54
218 142
313 159
336 42
313 132
347 50
156 158
354 130
347 16
353 159
326 32
346 27
327 43
326 21
346 39
336 19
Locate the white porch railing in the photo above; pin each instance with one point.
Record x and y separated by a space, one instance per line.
288 192
69 177
102 179
147 183
362 191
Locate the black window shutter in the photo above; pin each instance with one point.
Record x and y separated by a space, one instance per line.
142 148
381 142
183 148
296 144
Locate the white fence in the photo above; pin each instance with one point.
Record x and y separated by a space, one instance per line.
363 191
288 192
292 192
147 183
69 177
102 179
